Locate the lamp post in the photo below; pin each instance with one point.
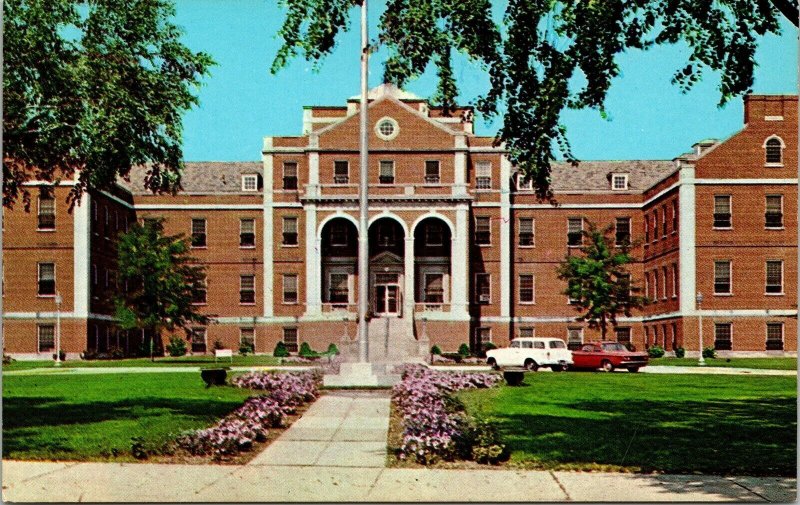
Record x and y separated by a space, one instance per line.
701 361
58 329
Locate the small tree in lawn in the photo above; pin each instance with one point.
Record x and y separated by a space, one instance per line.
598 282
162 280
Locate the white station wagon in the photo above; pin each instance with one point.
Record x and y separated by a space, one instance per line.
532 353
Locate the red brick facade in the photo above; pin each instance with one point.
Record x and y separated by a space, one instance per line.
448 214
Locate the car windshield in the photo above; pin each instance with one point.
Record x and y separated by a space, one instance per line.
556 344
614 347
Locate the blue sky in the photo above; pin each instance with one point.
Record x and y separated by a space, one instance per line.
241 101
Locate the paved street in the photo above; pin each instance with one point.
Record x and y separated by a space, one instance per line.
337 452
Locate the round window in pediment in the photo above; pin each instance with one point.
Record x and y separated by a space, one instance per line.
387 128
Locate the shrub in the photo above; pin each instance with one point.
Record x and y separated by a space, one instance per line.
214 376
89 354
116 353
463 350
457 357
280 350
7 359
62 355
709 353
245 348
481 442
306 351
218 345
176 346
436 351
488 346
656 351
680 352
332 349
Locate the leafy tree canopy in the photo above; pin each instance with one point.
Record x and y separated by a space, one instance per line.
162 280
540 47
94 86
598 281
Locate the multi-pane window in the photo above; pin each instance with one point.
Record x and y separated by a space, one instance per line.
574 338
47 279
574 232
619 182
198 232
774 151
774 336
290 339
434 235
483 288
524 183
483 230
722 211
338 234
664 287
386 174
434 288
200 292
483 175
526 232
247 288
623 231
247 337
47 337
655 225
623 335
47 212
290 175
290 288
664 221
106 222
773 215
198 339
526 288
722 336
338 290
722 277
432 175
526 332
774 277
674 216
250 182
341 172
387 236
247 232
289 231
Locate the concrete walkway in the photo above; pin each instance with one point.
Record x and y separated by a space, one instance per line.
337 452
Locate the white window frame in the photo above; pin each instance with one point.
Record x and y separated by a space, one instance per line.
284 277
345 176
531 328
655 226
191 232
730 277
783 215
766 277
395 128
782 147
284 220
655 285
39 278
615 178
39 337
616 229
714 211
204 283
581 231
346 273
481 167
475 238
674 280
39 214
425 276
675 217
346 235
241 232
533 232
664 221
478 295
241 289
284 176
438 180
664 287
428 243
241 335
775 323
478 329
195 330
533 289
296 343
579 329
730 325
522 184
380 171
247 179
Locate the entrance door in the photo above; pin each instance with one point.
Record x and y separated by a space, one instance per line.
387 294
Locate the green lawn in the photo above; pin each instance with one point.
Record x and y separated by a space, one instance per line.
757 363
90 417
190 361
647 422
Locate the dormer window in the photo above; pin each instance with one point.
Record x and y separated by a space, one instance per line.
619 182
773 148
524 183
250 182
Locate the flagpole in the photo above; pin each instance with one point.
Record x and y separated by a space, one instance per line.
363 218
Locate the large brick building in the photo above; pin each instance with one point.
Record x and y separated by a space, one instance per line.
460 249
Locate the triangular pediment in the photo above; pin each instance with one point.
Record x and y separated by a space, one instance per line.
386 258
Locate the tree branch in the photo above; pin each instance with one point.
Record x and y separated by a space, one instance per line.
790 9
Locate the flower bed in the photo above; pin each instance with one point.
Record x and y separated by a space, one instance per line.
250 423
433 428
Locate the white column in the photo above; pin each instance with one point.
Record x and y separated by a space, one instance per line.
687 250
408 289
459 269
460 165
266 237
505 237
313 275
313 166
81 255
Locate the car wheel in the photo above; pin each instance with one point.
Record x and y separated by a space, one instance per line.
633 369
531 365
558 368
607 366
493 363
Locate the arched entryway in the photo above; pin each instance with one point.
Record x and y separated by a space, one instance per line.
432 258
339 258
387 269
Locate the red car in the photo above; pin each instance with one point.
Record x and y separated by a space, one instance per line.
608 356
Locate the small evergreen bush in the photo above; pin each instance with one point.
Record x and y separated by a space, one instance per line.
246 348
464 351
656 351
218 345
332 349
680 352
280 350
306 351
176 347
436 351
709 353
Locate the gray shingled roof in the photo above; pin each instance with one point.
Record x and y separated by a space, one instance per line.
202 177
596 175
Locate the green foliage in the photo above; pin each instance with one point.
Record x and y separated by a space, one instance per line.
218 345
246 348
463 350
162 280
306 351
332 350
709 352
280 350
176 346
531 61
436 350
598 281
680 352
96 86
655 351
62 354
